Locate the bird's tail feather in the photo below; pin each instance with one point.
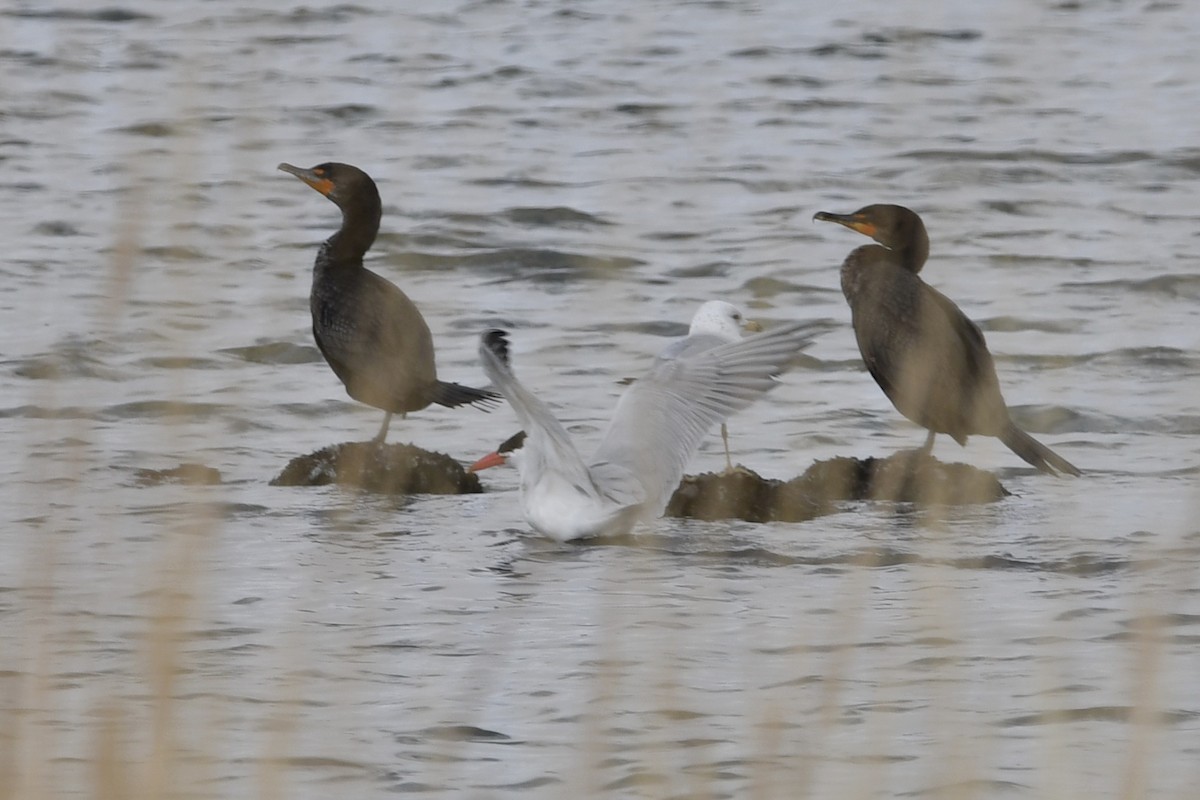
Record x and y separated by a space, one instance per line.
1035 452
452 395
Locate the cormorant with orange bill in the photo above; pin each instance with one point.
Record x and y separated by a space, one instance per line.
930 359
372 335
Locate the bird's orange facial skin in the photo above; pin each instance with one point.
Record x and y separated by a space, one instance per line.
324 185
490 460
862 226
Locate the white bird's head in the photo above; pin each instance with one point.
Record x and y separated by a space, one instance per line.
718 318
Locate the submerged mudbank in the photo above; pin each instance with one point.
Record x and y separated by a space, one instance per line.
903 478
187 473
383 468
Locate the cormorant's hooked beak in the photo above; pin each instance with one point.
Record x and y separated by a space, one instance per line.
312 177
854 222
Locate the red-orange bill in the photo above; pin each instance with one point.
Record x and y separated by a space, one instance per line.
490 460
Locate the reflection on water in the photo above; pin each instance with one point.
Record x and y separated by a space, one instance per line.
587 176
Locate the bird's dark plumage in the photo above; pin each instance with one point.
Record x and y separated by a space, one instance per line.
372 335
930 359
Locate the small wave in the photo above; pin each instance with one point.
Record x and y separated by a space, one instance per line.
887 558
525 216
138 409
873 44
187 473
349 112
302 15
464 733
711 269
674 236
337 13
856 50
292 41
1169 358
1156 358
152 129
71 358
1185 287
817 104
766 52
520 786
787 80
42 412
1094 714
1008 324
178 362
526 264
57 367
1163 620
664 328
523 183
275 353
772 287
891 35
175 253
57 228
317 410
1100 158
972 788
551 217
1060 420
30 57
1188 159
115 15
325 762
643 109
1049 419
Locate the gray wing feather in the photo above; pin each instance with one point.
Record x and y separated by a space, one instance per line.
661 420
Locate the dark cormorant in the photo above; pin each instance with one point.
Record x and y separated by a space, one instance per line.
371 334
929 359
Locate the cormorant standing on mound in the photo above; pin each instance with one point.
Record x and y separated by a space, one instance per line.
929 359
371 334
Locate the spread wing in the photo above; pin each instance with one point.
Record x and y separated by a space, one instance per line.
663 417
548 446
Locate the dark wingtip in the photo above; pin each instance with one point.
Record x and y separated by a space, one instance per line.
496 340
453 395
514 442
489 400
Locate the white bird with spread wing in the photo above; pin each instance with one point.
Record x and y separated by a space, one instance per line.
659 423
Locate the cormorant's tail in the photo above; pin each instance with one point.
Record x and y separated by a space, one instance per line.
1035 452
452 395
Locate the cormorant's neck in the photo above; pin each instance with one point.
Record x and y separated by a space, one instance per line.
913 253
861 265
360 224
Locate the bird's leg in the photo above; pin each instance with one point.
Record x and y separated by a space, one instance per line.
379 437
725 439
927 449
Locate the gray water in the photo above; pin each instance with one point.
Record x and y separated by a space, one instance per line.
585 174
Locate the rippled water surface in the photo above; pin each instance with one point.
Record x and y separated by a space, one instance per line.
586 174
